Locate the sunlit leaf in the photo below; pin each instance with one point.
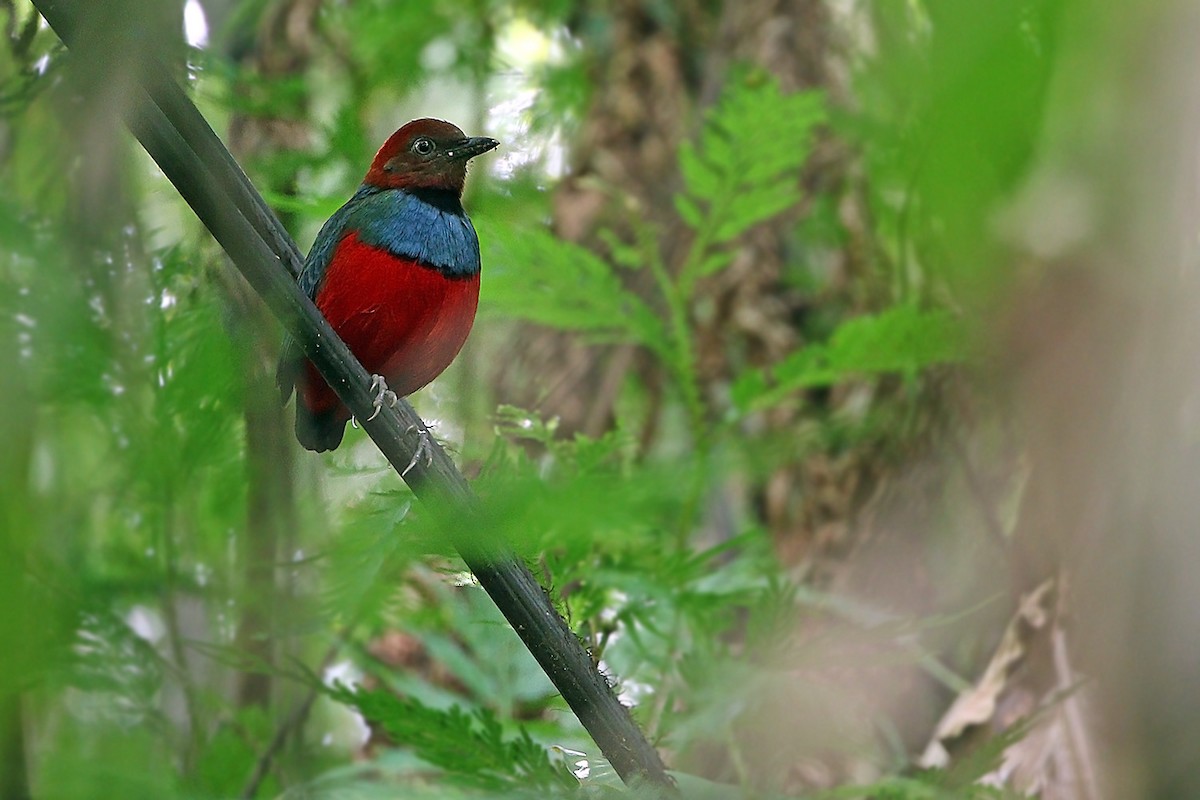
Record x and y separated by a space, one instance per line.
470 746
745 167
901 340
534 275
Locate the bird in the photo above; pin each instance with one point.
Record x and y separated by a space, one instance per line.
395 271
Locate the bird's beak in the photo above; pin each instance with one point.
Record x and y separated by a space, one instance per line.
470 147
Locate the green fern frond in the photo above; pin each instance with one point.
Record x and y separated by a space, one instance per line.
903 340
536 276
470 746
744 168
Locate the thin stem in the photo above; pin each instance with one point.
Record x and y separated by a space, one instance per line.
290 725
682 357
682 363
170 560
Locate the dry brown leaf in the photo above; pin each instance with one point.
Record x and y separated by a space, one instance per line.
977 705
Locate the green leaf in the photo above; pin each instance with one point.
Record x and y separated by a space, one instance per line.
702 179
903 339
744 167
752 207
689 212
624 255
533 275
715 262
749 389
469 745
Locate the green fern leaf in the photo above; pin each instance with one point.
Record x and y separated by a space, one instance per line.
689 212
744 167
902 339
535 276
469 745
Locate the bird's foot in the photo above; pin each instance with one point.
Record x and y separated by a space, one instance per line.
424 449
382 395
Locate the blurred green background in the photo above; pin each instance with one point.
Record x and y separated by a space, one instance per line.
835 373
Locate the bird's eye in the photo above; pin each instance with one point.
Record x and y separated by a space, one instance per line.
423 146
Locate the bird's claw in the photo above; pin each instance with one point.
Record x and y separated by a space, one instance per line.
382 395
424 448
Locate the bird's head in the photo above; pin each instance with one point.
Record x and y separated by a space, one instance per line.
426 154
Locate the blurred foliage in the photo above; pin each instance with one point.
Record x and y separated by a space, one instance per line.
743 169
453 739
736 176
902 340
125 377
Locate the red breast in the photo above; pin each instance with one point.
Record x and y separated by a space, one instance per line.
403 320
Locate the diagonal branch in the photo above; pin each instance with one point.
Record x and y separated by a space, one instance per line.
193 158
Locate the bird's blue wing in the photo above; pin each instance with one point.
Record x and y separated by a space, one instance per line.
332 232
316 264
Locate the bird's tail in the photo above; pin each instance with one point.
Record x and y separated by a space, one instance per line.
319 431
291 363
